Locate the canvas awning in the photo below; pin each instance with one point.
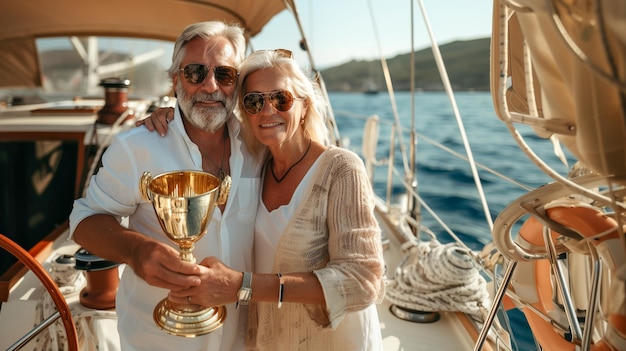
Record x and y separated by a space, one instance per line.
21 22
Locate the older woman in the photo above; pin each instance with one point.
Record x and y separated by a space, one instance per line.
317 250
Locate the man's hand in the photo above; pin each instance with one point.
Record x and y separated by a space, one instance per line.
159 265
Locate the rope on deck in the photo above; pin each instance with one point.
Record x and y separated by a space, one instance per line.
438 277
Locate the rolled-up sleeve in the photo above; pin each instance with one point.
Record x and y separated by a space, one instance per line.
113 190
353 277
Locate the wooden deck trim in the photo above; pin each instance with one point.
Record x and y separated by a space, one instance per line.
472 331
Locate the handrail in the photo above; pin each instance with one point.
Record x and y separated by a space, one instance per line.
21 342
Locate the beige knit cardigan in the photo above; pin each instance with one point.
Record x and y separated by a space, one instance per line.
334 234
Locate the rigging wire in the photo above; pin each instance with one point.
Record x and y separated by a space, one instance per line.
423 137
446 82
414 207
389 84
331 123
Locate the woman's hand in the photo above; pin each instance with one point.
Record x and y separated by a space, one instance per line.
158 120
219 285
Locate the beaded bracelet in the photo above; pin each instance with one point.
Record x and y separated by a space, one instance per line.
281 288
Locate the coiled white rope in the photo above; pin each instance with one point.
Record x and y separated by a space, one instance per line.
95 328
438 277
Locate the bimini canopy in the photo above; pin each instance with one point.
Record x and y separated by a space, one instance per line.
21 22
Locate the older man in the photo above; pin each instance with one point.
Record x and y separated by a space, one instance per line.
204 135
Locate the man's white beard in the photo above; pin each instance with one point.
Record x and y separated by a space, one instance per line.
209 118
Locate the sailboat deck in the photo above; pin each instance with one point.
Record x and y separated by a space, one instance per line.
398 334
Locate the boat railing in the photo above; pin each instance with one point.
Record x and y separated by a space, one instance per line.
396 186
565 85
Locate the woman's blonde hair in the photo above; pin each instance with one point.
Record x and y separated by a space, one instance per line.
303 87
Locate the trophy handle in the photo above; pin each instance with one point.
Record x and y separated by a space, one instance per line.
224 190
146 178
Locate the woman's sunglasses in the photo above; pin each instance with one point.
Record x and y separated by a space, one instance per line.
196 73
282 100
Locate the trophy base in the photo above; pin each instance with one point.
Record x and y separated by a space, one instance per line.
188 321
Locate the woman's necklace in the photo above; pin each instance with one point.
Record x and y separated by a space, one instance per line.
278 180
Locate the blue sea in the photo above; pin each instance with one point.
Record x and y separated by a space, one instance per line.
445 182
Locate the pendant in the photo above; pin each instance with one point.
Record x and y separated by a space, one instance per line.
221 174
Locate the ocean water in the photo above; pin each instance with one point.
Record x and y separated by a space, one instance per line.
445 182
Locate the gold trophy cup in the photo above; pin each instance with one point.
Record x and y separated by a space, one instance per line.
184 202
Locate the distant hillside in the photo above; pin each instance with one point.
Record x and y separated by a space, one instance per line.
467 63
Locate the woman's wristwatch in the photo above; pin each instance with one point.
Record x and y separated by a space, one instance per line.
245 292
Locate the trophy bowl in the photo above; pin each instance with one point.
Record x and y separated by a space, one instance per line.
183 202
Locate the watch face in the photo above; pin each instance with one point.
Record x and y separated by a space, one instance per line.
244 295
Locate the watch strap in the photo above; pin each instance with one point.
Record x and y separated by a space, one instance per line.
245 292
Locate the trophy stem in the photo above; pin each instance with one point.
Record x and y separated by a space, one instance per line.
188 320
186 252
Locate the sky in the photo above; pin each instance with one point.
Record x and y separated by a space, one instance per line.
339 31
342 30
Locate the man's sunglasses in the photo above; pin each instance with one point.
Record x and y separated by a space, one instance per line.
282 100
196 73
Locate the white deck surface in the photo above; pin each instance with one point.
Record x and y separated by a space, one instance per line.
446 334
